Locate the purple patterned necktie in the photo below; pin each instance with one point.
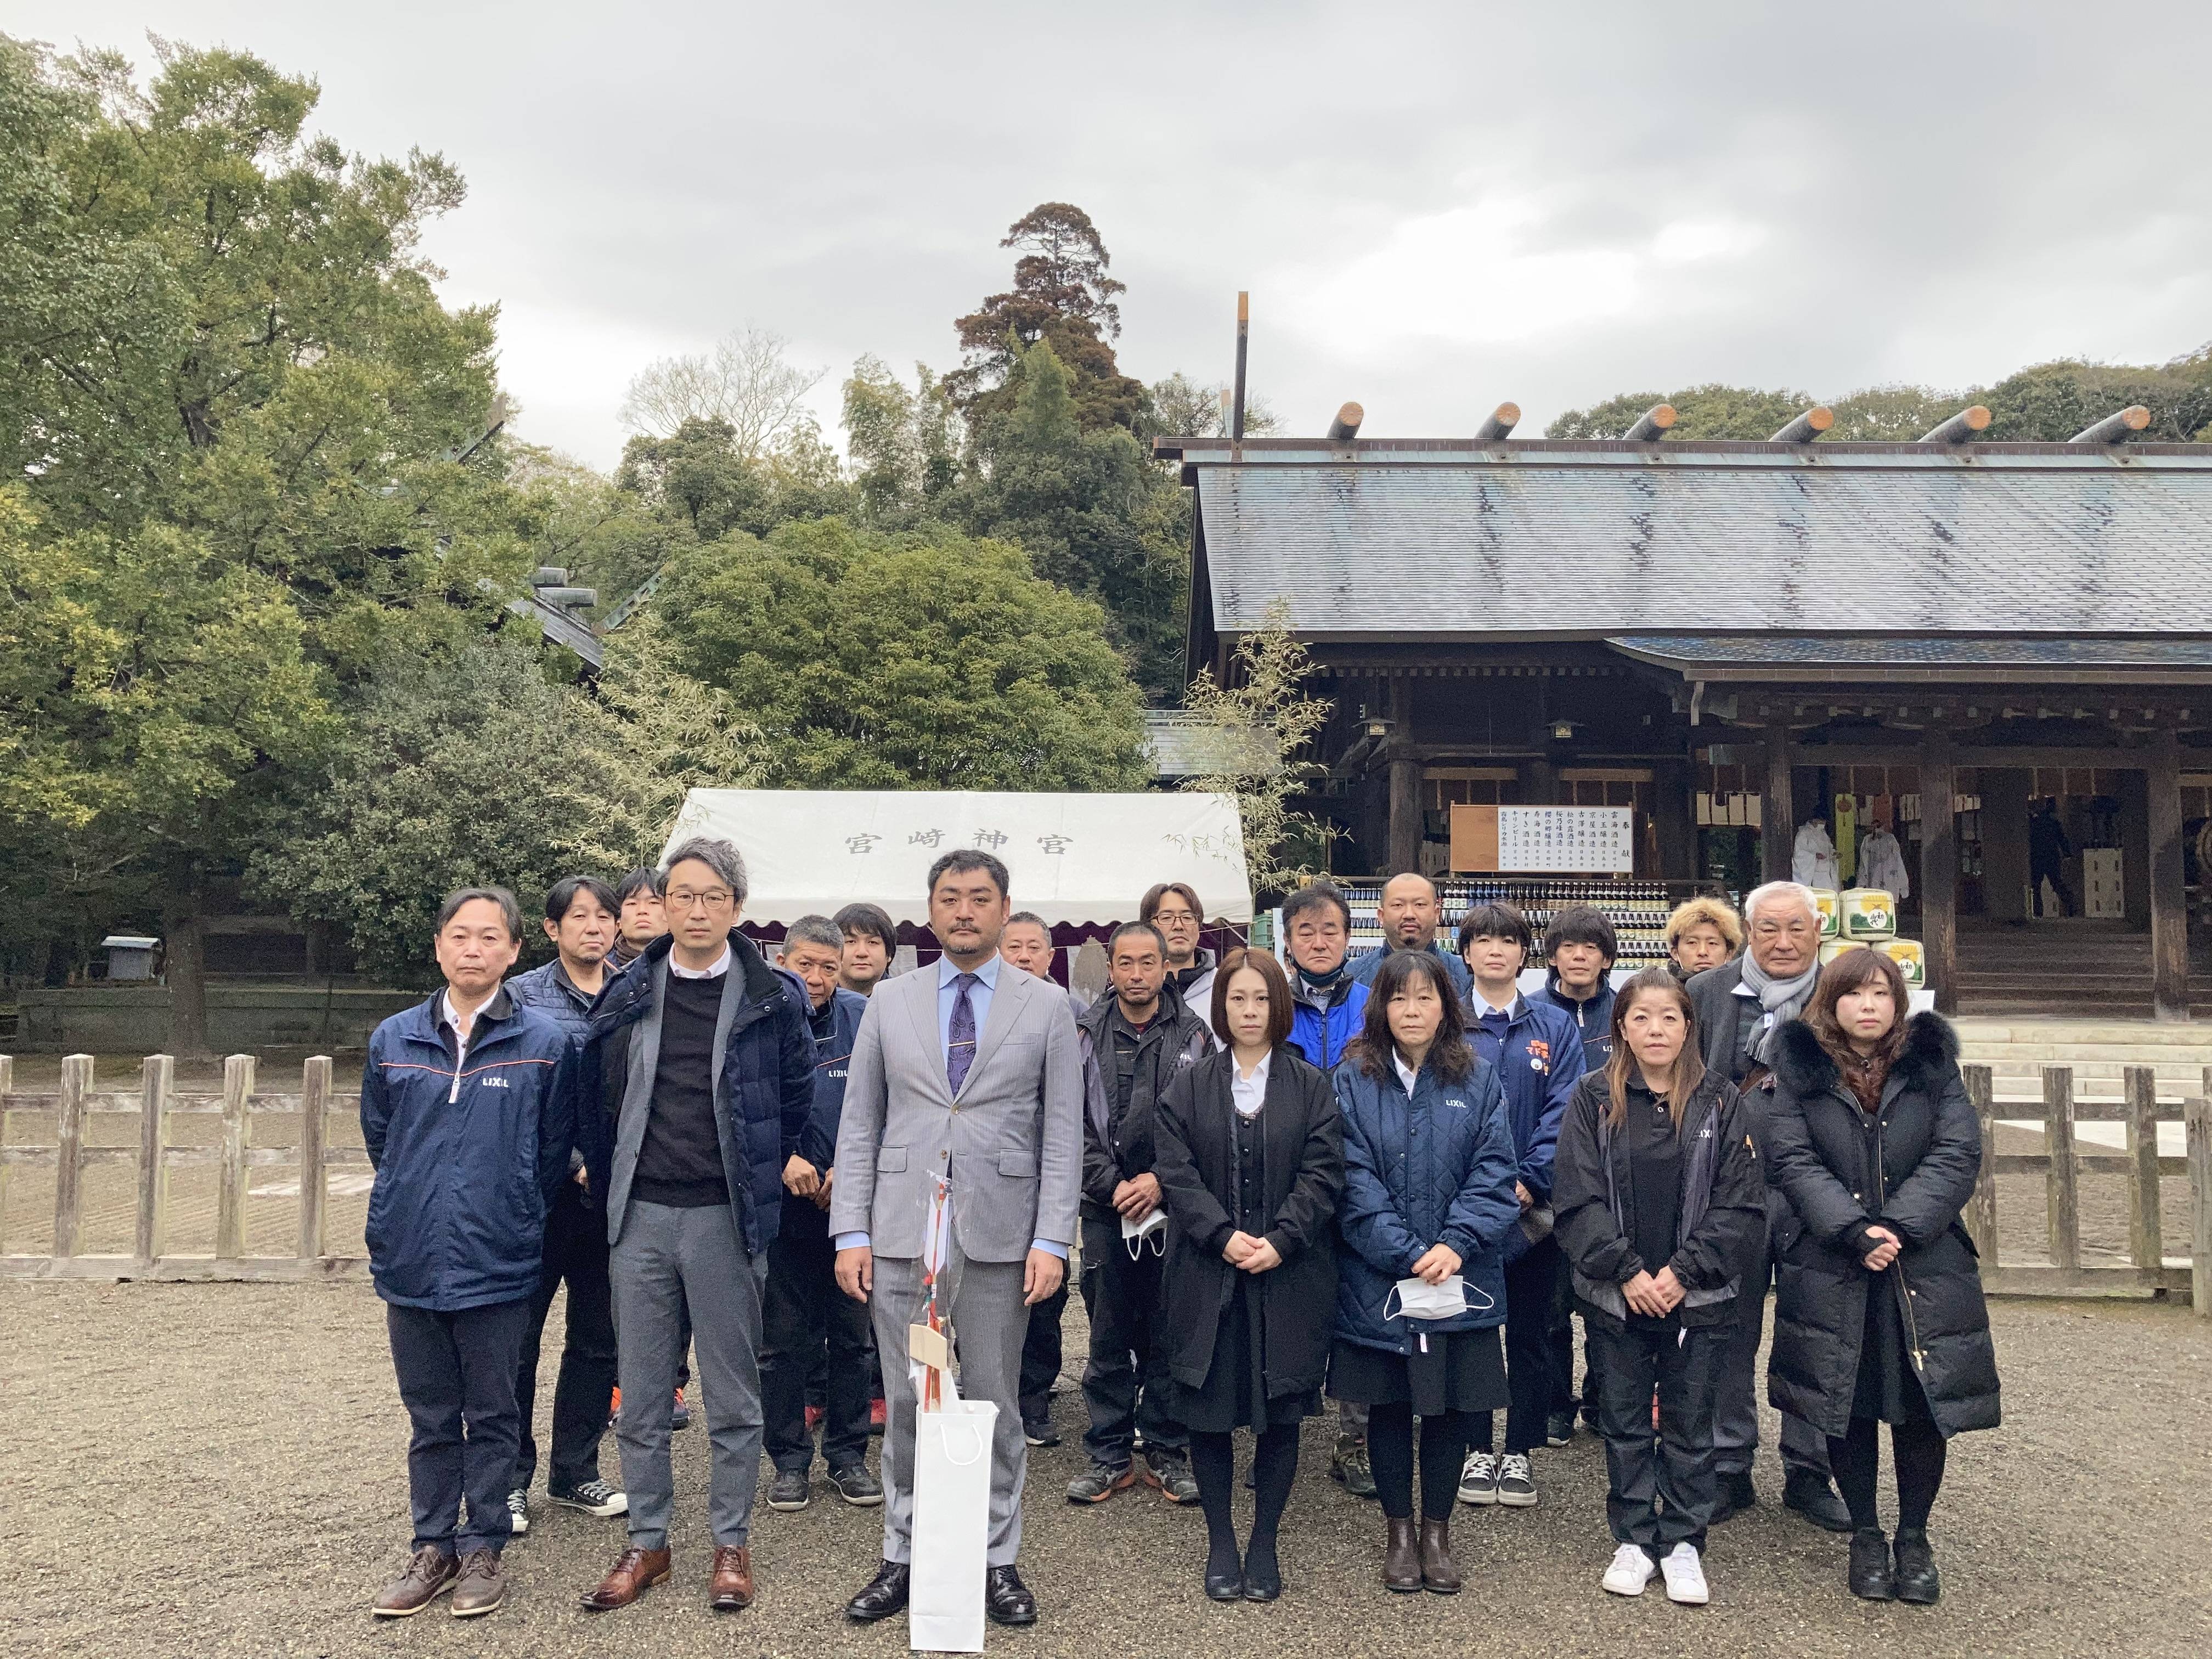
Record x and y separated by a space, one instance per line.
960 1039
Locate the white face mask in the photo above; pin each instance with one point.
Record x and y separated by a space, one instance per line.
1419 1299
1152 1227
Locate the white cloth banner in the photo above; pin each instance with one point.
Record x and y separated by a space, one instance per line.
952 1527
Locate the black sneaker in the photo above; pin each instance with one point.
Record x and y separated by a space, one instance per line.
593 1498
1559 1427
1101 1482
857 1486
790 1491
1350 1466
1172 1475
518 1512
1041 1432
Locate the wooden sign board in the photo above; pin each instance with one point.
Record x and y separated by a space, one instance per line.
1543 839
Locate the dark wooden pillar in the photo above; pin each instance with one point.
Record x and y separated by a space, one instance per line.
2004 842
2169 914
1405 849
2134 848
1778 814
1674 818
1540 782
1939 869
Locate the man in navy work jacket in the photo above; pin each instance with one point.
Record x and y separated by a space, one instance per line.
1411 911
1538 1057
468 1107
581 915
705 1077
807 1321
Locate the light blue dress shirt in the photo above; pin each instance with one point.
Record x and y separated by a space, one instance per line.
979 998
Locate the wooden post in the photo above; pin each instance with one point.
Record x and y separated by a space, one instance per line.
2065 1218
68 1156
1778 814
1674 819
2200 1200
1982 1211
1939 868
2169 914
156 1078
2146 1245
1405 816
230 1190
314 1095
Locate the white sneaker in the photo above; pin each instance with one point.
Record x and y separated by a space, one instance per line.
1478 1479
1631 1570
1685 1576
518 1512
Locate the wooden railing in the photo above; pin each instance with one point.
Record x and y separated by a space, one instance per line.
156 1102
2146 1269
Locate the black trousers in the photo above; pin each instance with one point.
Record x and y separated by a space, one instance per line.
1043 1356
1530 1373
808 1324
1560 1339
584 1391
1125 1383
1675 1464
2054 872
456 1373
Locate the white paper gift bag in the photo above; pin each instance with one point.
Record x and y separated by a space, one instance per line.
951 1526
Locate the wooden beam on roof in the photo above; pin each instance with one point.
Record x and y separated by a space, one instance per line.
1960 427
1346 427
2115 428
1500 424
1651 425
1807 426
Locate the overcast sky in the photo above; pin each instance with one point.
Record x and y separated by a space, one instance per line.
1435 208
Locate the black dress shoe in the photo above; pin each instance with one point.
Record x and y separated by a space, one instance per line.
1807 1492
1263 1578
1006 1599
1871 1576
1737 1494
1917 1581
885 1596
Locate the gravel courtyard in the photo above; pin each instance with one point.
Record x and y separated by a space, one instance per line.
219 1469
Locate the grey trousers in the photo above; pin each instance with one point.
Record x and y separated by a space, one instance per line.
990 1323
665 1259
1736 1403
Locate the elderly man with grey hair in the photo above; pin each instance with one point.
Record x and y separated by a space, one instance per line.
705 1065
1739 1006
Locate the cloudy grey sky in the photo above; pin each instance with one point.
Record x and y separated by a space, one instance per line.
1435 208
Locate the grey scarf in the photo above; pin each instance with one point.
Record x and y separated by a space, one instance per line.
1783 999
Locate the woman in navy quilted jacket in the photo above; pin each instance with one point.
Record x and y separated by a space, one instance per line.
1429 1172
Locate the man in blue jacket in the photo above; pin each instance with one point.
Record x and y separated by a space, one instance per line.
807 1321
468 1108
581 915
1411 912
1329 1004
1538 1057
705 1079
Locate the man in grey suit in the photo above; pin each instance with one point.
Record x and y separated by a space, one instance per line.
968 1070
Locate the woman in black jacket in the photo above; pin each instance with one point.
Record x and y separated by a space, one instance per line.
1657 1194
1250 1160
1879 1316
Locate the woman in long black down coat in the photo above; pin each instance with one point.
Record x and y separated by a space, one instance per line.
1879 1316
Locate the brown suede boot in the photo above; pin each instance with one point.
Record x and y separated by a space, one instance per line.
1437 1572
1402 1558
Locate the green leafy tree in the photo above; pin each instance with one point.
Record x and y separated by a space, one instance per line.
1062 296
1180 407
1706 411
2050 402
1891 413
903 444
698 480
913 659
1264 720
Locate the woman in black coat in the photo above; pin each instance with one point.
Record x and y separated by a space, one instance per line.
1249 1158
1879 1316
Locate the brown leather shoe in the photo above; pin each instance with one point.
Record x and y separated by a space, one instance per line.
1402 1558
634 1572
430 1573
481 1587
1437 1572
732 1588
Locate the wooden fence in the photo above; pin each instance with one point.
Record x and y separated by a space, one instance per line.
156 1102
2146 1270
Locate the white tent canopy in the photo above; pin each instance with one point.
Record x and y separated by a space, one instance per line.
1074 860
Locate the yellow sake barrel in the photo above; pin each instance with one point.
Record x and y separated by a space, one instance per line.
1824 903
1866 914
1911 961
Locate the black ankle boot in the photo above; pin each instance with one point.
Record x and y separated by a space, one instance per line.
1224 1573
1263 1578
1871 1576
1917 1581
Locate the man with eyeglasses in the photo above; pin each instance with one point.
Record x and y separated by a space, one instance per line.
1739 1006
1173 909
706 1064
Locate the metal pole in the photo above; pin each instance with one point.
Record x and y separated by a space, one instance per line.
1243 338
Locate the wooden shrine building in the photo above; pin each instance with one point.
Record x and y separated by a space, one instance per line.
1728 637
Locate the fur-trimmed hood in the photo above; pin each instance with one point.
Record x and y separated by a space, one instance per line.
1804 1067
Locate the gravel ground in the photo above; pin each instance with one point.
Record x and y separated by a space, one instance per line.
219 1469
